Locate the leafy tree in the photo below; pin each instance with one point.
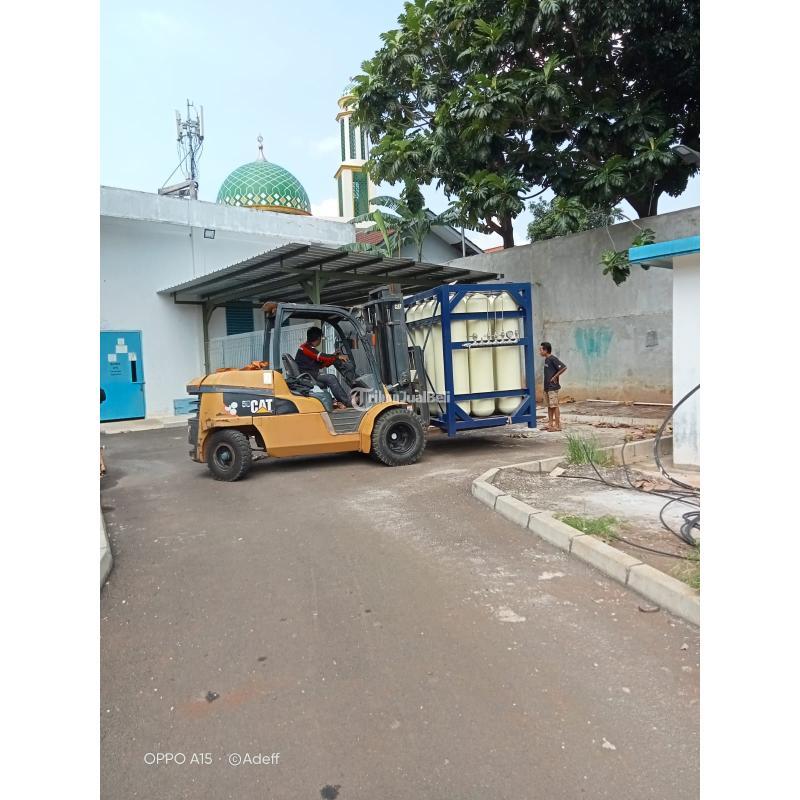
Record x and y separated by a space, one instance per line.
391 243
410 222
564 215
616 262
491 98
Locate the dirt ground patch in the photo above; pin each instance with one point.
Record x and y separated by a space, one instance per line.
636 519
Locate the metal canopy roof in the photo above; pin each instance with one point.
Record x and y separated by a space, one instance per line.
296 272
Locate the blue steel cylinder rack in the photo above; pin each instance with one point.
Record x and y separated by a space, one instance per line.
451 417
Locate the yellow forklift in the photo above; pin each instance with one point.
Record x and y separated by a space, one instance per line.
271 407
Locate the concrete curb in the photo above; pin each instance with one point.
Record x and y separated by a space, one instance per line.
658 587
106 559
484 490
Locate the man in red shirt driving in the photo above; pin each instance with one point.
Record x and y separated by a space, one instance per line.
310 360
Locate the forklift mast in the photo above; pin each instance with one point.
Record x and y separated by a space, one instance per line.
399 361
385 316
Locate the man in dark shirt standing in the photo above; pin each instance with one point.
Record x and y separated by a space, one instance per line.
553 368
310 360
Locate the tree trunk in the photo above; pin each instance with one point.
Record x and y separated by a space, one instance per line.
507 231
645 204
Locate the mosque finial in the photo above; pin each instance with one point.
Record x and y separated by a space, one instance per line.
260 141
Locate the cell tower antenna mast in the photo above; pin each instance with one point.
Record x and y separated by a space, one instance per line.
190 137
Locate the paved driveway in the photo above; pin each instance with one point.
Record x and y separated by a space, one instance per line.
386 634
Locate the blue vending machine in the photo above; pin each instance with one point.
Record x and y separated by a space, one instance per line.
121 375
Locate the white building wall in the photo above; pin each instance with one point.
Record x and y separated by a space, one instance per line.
686 357
149 242
434 250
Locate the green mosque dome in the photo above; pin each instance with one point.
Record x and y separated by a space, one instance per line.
264 186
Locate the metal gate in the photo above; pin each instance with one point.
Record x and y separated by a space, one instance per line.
121 375
242 348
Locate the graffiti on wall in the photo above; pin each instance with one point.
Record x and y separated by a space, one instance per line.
593 343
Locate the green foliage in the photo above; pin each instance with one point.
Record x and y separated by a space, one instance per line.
583 450
391 239
490 98
562 216
616 263
604 527
409 222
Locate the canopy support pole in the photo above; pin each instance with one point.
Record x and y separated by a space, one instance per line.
313 287
208 310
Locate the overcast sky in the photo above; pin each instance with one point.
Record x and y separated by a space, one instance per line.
270 68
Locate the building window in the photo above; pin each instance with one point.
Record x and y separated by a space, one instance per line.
341 198
341 128
239 318
360 194
352 138
363 148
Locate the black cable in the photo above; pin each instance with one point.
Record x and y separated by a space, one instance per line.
634 544
666 493
624 465
681 496
653 550
691 518
657 445
659 493
601 479
685 532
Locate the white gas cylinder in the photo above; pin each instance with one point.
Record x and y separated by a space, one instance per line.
507 359
438 351
426 342
458 333
481 359
411 315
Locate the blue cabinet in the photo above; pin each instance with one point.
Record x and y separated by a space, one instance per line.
121 375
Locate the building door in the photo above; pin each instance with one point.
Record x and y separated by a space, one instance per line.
121 375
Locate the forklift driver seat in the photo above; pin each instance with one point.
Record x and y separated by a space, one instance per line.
290 368
302 383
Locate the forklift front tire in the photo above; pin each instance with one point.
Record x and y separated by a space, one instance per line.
398 438
229 455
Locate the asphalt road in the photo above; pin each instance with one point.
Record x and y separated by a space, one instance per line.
385 633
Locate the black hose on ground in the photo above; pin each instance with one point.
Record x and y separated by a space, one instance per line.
657 444
691 518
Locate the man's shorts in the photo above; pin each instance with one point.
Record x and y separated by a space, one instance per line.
552 399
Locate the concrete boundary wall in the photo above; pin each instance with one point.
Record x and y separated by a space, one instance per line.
615 340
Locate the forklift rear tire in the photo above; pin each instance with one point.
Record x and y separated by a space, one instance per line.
229 455
398 437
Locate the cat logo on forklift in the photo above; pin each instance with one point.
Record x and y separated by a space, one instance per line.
259 406
243 406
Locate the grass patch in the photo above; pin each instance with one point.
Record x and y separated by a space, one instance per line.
583 450
604 527
689 571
